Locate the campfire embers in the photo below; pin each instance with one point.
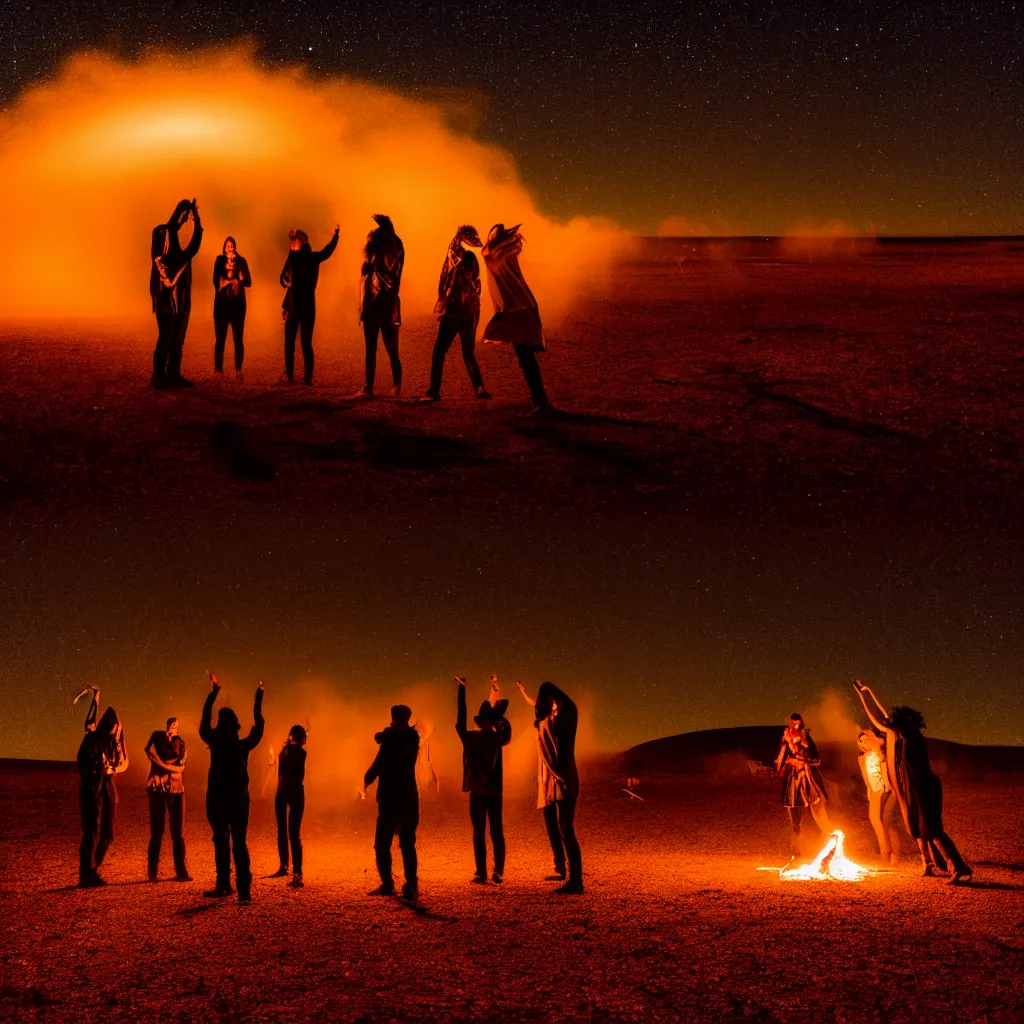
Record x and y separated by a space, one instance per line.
831 864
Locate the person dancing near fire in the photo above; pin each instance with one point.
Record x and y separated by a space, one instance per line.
381 307
798 765
882 802
290 803
917 787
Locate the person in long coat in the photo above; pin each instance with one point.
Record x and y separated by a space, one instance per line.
803 786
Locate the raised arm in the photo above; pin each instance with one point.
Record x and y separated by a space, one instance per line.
328 250
197 233
463 713
871 693
206 723
877 720
256 732
529 700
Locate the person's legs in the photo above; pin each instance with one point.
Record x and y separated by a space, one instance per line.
531 371
890 816
370 332
298 807
446 331
555 837
157 814
239 845
90 834
467 337
221 320
217 816
494 809
952 855
238 336
390 336
176 344
163 334
176 820
306 332
567 829
407 844
382 837
478 816
106 825
291 329
875 817
281 813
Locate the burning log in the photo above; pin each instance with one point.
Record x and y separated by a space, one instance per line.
831 864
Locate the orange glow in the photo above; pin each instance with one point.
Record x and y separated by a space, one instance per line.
831 864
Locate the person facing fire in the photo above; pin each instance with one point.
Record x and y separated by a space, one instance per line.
882 802
227 792
170 288
380 306
398 804
299 277
482 775
516 317
798 765
102 754
165 789
558 783
231 277
290 803
458 311
917 787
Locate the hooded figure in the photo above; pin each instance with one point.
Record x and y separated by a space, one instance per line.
398 804
227 791
380 306
102 755
170 288
231 277
300 275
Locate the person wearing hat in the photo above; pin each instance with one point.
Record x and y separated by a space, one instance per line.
290 802
482 775
227 791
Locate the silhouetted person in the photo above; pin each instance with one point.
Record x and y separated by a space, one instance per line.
482 776
798 765
381 308
290 802
516 317
300 275
558 783
102 755
230 279
918 788
398 802
458 311
882 801
165 789
227 792
170 287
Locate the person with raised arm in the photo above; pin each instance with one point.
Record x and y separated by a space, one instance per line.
227 792
917 787
882 801
798 764
558 784
482 776
231 277
380 304
290 803
165 789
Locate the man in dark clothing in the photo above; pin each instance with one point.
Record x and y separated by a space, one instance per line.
381 307
482 775
170 288
166 790
398 801
300 275
227 792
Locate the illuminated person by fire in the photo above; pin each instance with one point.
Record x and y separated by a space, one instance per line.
170 288
798 765
227 791
882 801
917 787
165 790
516 317
482 775
458 311
231 277
290 803
299 277
102 754
558 783
380 305
398 804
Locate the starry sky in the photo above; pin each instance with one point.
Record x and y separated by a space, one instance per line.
729 117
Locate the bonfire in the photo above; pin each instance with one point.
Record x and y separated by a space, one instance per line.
831 864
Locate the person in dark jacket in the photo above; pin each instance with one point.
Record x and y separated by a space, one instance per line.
170 288
458 312
381 307
482 775
398 802
165 789
558 783
102 754
290 802
231 277
227 792
299 276
798 766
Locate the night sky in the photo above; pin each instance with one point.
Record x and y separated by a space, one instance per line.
736 117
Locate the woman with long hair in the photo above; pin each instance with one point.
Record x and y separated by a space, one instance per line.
230 279
380 304
299 276
290 803
798 765
882 802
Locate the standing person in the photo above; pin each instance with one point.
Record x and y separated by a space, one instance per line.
558 783
290 802
166 791
381 307
458 311
101 755
227 792
516 315
170 288
230 279
798 764
482 775
917 787
299 276
882 802
398 802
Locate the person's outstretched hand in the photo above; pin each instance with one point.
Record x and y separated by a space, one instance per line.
337 230
460 680
859 686
260 687
214 685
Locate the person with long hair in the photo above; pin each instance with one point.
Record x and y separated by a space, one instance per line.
231 277
798 764
290 803
380 304
165 790
882 802
917 787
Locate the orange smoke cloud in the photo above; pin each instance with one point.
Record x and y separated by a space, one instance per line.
92 161
809 239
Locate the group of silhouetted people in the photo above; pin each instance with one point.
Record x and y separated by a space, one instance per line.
516 320
103 755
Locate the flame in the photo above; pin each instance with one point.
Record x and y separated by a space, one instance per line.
831 863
